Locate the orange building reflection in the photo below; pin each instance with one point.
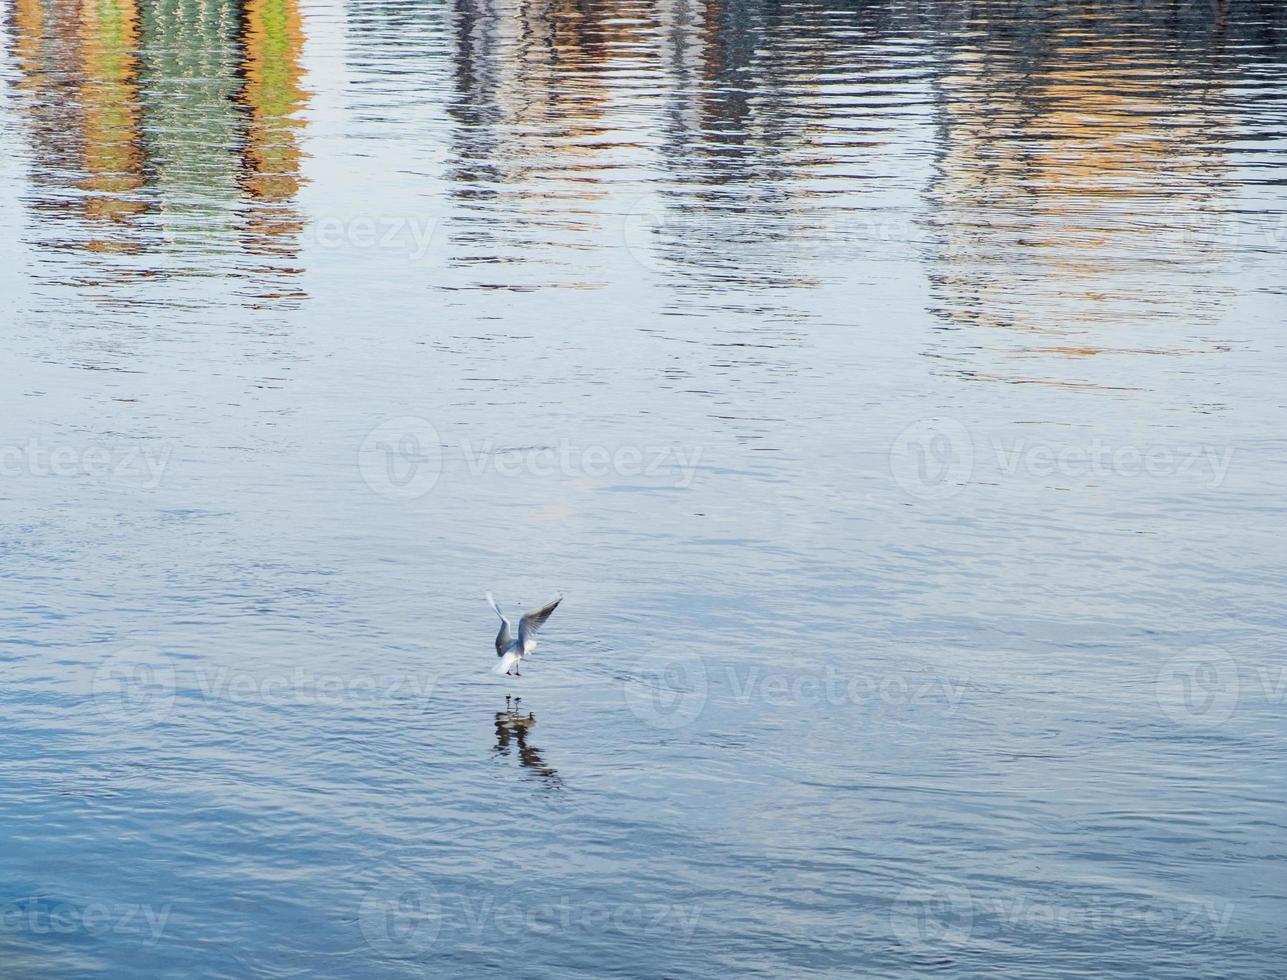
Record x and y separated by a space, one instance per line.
111 116
273 97
28 34
127 106
1076 201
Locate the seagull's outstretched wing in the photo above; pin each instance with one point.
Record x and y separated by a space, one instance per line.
531 622
503 638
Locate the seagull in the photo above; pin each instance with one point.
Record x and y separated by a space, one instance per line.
511 651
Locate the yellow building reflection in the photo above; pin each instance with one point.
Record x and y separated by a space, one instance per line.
113 156
273 95
28 36
130 161
1076 199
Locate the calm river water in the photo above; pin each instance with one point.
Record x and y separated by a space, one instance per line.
894 391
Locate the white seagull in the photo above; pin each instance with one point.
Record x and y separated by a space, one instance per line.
511 651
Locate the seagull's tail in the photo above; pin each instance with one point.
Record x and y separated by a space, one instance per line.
506 663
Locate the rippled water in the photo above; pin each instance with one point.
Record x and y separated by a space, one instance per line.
894 390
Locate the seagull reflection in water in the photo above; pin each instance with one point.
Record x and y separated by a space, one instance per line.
511 727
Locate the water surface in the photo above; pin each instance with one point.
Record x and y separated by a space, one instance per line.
893 390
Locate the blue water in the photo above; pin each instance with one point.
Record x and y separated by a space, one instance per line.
893 390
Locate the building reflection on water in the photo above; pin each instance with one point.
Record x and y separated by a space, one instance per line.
189 71
1035 166
529 111
1076 174
165 131
272 97
109 99
683 133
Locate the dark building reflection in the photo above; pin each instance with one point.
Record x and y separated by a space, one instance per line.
45 38
745 143
162 132
530 109
567 113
